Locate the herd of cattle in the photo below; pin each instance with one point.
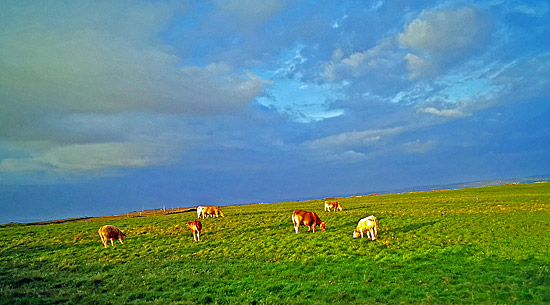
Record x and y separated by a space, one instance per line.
367 226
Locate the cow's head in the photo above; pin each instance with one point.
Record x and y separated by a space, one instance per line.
122 236
356 233
322 225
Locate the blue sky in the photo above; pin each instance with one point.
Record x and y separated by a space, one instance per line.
114 106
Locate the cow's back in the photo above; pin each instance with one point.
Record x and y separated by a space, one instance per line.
109 231
298 216
368 222
304 217
212 210
198 225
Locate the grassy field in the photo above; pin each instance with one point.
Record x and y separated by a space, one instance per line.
486 245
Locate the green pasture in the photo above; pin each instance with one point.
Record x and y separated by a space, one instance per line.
471 246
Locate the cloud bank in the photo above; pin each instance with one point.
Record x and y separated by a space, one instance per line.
102 60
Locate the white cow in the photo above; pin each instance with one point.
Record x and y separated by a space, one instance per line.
368 225
199 211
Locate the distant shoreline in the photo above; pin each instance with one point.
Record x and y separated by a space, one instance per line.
152 212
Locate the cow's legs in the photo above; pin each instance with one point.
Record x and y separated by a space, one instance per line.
112 242
103 240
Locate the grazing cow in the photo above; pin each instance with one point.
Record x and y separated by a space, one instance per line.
199 211
195 226
306 218
368 225
110 232
211 211
334 205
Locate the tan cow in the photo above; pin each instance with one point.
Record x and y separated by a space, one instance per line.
112 233
211 211
334 205
195 226
307 218
368 225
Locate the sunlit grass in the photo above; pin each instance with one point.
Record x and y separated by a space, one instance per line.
482 245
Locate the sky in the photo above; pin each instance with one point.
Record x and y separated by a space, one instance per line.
108 107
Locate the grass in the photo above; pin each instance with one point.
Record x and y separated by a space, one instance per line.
483 245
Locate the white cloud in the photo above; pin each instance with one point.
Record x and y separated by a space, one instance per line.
418 67
442 37
472 87
444 30
448 113
417 147
381 57
525 79
23 165
353 139
291 63
355 59
533 9
378 4
347 147
93 156
348 156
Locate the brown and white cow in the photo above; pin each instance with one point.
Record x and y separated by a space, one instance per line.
368 225
195 226
112 233
334 205
211 211
307 218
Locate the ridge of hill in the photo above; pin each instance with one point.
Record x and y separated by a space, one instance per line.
463 185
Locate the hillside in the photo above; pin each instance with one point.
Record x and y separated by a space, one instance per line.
476 245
